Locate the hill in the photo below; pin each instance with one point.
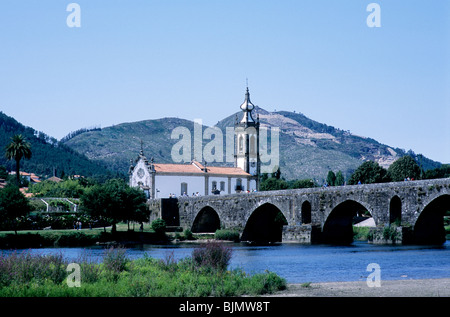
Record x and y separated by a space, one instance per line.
47 153
308 149
114 146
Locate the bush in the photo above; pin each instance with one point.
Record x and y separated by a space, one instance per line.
188 234
115 261
90 270
225 234
159 226
361 233
25 268
390 233
266 283
212 256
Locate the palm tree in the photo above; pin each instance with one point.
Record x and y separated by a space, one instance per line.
16 150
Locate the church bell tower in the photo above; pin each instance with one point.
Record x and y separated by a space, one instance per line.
246 130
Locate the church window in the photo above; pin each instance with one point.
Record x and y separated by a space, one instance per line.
184 189
241 144
252 145
214 185
140 173
222 186
239 184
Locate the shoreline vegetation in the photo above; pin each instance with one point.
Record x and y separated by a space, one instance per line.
152 234
204 273
123 235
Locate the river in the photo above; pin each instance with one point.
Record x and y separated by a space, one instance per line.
299 263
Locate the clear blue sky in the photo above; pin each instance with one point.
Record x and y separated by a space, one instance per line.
136 60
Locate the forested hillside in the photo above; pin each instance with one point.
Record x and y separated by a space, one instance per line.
48 155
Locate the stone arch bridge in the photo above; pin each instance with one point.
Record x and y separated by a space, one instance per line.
403 212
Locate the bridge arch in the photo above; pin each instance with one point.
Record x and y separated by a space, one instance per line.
265 225
207 220
338 226
429 226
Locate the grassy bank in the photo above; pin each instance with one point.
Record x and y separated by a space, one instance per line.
76 238
202 274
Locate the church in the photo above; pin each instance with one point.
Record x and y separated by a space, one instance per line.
195 178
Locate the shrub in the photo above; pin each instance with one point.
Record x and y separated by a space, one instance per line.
25 267
115 261
390 233
225 234
90 270
188 234
361 233
169 263
159 226
212 256
266 283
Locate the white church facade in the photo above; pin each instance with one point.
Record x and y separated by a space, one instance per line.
195 178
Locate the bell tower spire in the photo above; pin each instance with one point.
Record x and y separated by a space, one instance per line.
247 139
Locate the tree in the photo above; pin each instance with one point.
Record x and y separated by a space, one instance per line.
369 172
440 172
16 150
331 178
263 177
302 183
273 184
115 201
135 205
277 173
3 172
13 204
404 167
339 179
69 188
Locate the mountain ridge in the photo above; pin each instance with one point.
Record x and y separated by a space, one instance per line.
308 149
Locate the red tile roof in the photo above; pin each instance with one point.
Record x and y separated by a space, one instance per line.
197 168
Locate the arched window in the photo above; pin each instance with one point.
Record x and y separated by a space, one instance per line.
253 145
241 144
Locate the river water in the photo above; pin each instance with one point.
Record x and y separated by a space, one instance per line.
308 263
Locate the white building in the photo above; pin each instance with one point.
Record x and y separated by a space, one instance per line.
169 180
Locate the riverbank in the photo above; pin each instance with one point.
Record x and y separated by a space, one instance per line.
76 238
203 274
388 288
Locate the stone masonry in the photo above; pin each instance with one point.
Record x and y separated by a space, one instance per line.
235 210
